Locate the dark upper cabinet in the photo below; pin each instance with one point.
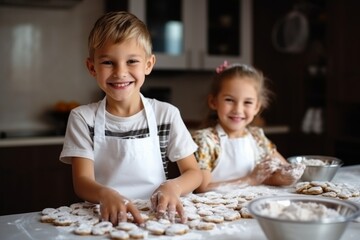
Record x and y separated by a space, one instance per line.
344 48
196 35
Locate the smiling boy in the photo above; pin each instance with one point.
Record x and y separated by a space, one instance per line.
119 147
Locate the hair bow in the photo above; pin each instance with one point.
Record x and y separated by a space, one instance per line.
222 67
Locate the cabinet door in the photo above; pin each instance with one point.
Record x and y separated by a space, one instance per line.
198 34
226 33
344 48
166 23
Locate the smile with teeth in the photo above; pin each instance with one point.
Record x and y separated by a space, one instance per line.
119 85
235 118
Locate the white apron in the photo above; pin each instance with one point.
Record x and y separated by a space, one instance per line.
237 157
133 167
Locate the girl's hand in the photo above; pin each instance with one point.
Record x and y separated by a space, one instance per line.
264 170
287 175
114 207
165 201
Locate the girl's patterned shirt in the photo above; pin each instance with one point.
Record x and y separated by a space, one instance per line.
209 148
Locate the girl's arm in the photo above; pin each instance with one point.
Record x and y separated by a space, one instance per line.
113 206
256 177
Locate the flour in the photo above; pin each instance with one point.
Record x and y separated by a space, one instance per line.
298 211
314 162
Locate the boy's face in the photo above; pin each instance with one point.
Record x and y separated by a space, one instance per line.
120 70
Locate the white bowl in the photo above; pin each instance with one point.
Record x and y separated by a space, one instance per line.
276 228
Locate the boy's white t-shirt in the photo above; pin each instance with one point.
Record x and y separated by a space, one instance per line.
175 139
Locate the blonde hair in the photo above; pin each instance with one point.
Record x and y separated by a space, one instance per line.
117 27
239 71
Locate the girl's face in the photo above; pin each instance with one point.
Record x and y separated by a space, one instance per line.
236 104
120 70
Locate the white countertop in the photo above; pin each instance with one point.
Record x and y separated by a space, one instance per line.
27 226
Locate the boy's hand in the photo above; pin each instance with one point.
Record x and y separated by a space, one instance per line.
114 208
166 201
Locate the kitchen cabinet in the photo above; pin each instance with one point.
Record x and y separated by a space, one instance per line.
33 178
197 35
344 39
344 79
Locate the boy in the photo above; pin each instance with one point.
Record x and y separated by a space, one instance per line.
119 146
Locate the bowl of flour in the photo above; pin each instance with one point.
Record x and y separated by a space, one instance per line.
303 217
318 167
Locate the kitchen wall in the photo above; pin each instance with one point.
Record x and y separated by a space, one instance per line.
43 53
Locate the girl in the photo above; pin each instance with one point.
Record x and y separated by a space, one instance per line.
230 150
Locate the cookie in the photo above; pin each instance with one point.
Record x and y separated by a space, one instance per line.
65 209
138 234
214 218
47 219
82 212
65 220
244 212
204 212
205 226
177 229
193 216
101 228
119 235
329 194
47 211
155 227
301 186
193 223
314 190
231 215
83 229
77 205
126 226
92 220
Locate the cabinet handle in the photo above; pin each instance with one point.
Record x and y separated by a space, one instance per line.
188 58
202 59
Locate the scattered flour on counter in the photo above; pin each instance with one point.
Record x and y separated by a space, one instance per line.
225 230
187 236
298 211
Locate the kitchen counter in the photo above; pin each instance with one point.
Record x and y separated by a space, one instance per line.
27 225
31 141
56 140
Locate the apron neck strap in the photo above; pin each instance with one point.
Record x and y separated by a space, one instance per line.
100 118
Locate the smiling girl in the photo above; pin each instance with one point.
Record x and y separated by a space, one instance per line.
231 152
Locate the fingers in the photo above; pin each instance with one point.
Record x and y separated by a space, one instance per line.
116 213
168 207
154 200
182 214
135 213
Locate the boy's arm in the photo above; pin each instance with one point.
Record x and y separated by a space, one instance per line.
113 206
166 198
190 175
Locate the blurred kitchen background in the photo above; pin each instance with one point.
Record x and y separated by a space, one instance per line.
309 49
